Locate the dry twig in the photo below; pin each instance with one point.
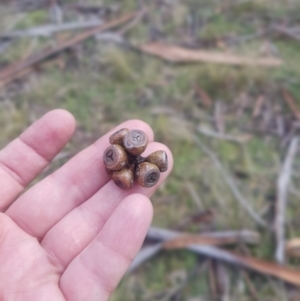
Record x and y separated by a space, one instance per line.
229 181
282 191
268 268
48 30
289 32
9 73
246 236
210 239
182 55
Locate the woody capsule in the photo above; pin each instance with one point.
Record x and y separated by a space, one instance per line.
124 163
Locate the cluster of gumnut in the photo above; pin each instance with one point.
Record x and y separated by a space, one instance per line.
124 163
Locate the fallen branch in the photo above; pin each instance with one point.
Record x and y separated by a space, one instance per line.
206 239
169 236
183 55
7 74
282 191
289 32
48 30
245 236
269 268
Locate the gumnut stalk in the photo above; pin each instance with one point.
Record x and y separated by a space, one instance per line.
124 164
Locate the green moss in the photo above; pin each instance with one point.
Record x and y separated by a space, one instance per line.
224 26
34 18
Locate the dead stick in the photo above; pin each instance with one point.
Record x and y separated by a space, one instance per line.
183 55
290 32
229 181
268 268
282 190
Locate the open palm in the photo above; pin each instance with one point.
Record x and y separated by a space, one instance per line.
73 235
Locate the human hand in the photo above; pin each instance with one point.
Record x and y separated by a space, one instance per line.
73 235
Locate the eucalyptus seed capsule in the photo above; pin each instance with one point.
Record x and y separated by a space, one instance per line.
160 159
135 142
123 178
118 137
147 174
115 157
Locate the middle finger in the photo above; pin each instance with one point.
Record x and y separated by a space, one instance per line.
76 230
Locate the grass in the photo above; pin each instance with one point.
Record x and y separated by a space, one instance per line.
105 84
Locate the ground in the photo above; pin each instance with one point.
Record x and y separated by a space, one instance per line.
239 113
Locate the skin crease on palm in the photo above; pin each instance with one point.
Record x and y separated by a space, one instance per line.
72 235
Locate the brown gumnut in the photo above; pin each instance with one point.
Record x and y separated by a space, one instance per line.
115 157
118 137
135 142
160 159
123 178
147 174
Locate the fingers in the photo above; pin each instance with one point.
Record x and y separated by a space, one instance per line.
25 270
50 200
95 272
25 157
76 230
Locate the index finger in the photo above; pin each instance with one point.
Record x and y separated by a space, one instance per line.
26 156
